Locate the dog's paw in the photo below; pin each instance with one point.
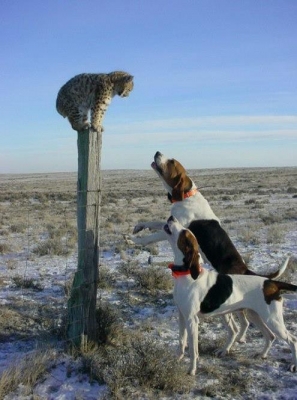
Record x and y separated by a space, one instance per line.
262 355
128 240
133 241
139 227
293 368
221 352
192 371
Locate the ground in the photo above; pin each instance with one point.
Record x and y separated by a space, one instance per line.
38 258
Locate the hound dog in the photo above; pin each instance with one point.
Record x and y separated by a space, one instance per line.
199 292
188 205
220 251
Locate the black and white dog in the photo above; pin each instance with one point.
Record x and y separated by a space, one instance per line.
199 292
194 212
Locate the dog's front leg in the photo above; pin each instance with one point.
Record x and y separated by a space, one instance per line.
145 240
157 225
192 328
182 336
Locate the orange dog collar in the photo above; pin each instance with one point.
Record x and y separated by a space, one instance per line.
188 194
177 272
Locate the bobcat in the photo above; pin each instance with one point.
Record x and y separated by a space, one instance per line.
91 92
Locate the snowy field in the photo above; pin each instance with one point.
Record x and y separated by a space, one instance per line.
38 258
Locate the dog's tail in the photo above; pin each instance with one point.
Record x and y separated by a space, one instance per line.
272 289
273 275
288 287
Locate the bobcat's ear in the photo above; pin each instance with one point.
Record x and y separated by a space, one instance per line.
129 78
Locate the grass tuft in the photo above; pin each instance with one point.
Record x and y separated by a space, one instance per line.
51 247
141 365
154 278
26 372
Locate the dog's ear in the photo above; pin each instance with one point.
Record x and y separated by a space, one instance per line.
188 244
183 184
194 264
178 189
169 197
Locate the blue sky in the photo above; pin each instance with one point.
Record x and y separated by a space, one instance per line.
215 81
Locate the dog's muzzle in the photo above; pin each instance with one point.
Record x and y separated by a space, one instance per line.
167 226
156 164
167 229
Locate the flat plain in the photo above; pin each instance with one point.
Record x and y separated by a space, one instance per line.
138 328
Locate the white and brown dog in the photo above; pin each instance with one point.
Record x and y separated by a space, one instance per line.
199 292
189 205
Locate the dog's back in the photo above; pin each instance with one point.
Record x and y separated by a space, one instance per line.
218 247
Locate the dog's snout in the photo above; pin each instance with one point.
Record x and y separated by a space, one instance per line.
158 155
167 229
171 219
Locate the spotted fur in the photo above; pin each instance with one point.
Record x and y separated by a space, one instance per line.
92 93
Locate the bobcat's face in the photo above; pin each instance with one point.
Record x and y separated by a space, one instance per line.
124 88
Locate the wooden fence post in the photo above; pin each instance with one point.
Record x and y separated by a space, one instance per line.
81 326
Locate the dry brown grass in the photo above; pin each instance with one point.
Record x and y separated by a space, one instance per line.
26 371
142 365
38 220
153 278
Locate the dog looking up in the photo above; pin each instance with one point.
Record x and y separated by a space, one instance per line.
217 247
199 293
188 205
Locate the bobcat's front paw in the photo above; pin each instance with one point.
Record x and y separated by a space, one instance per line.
97 128
81 127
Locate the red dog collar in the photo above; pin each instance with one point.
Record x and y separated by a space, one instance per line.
190 193
178 273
